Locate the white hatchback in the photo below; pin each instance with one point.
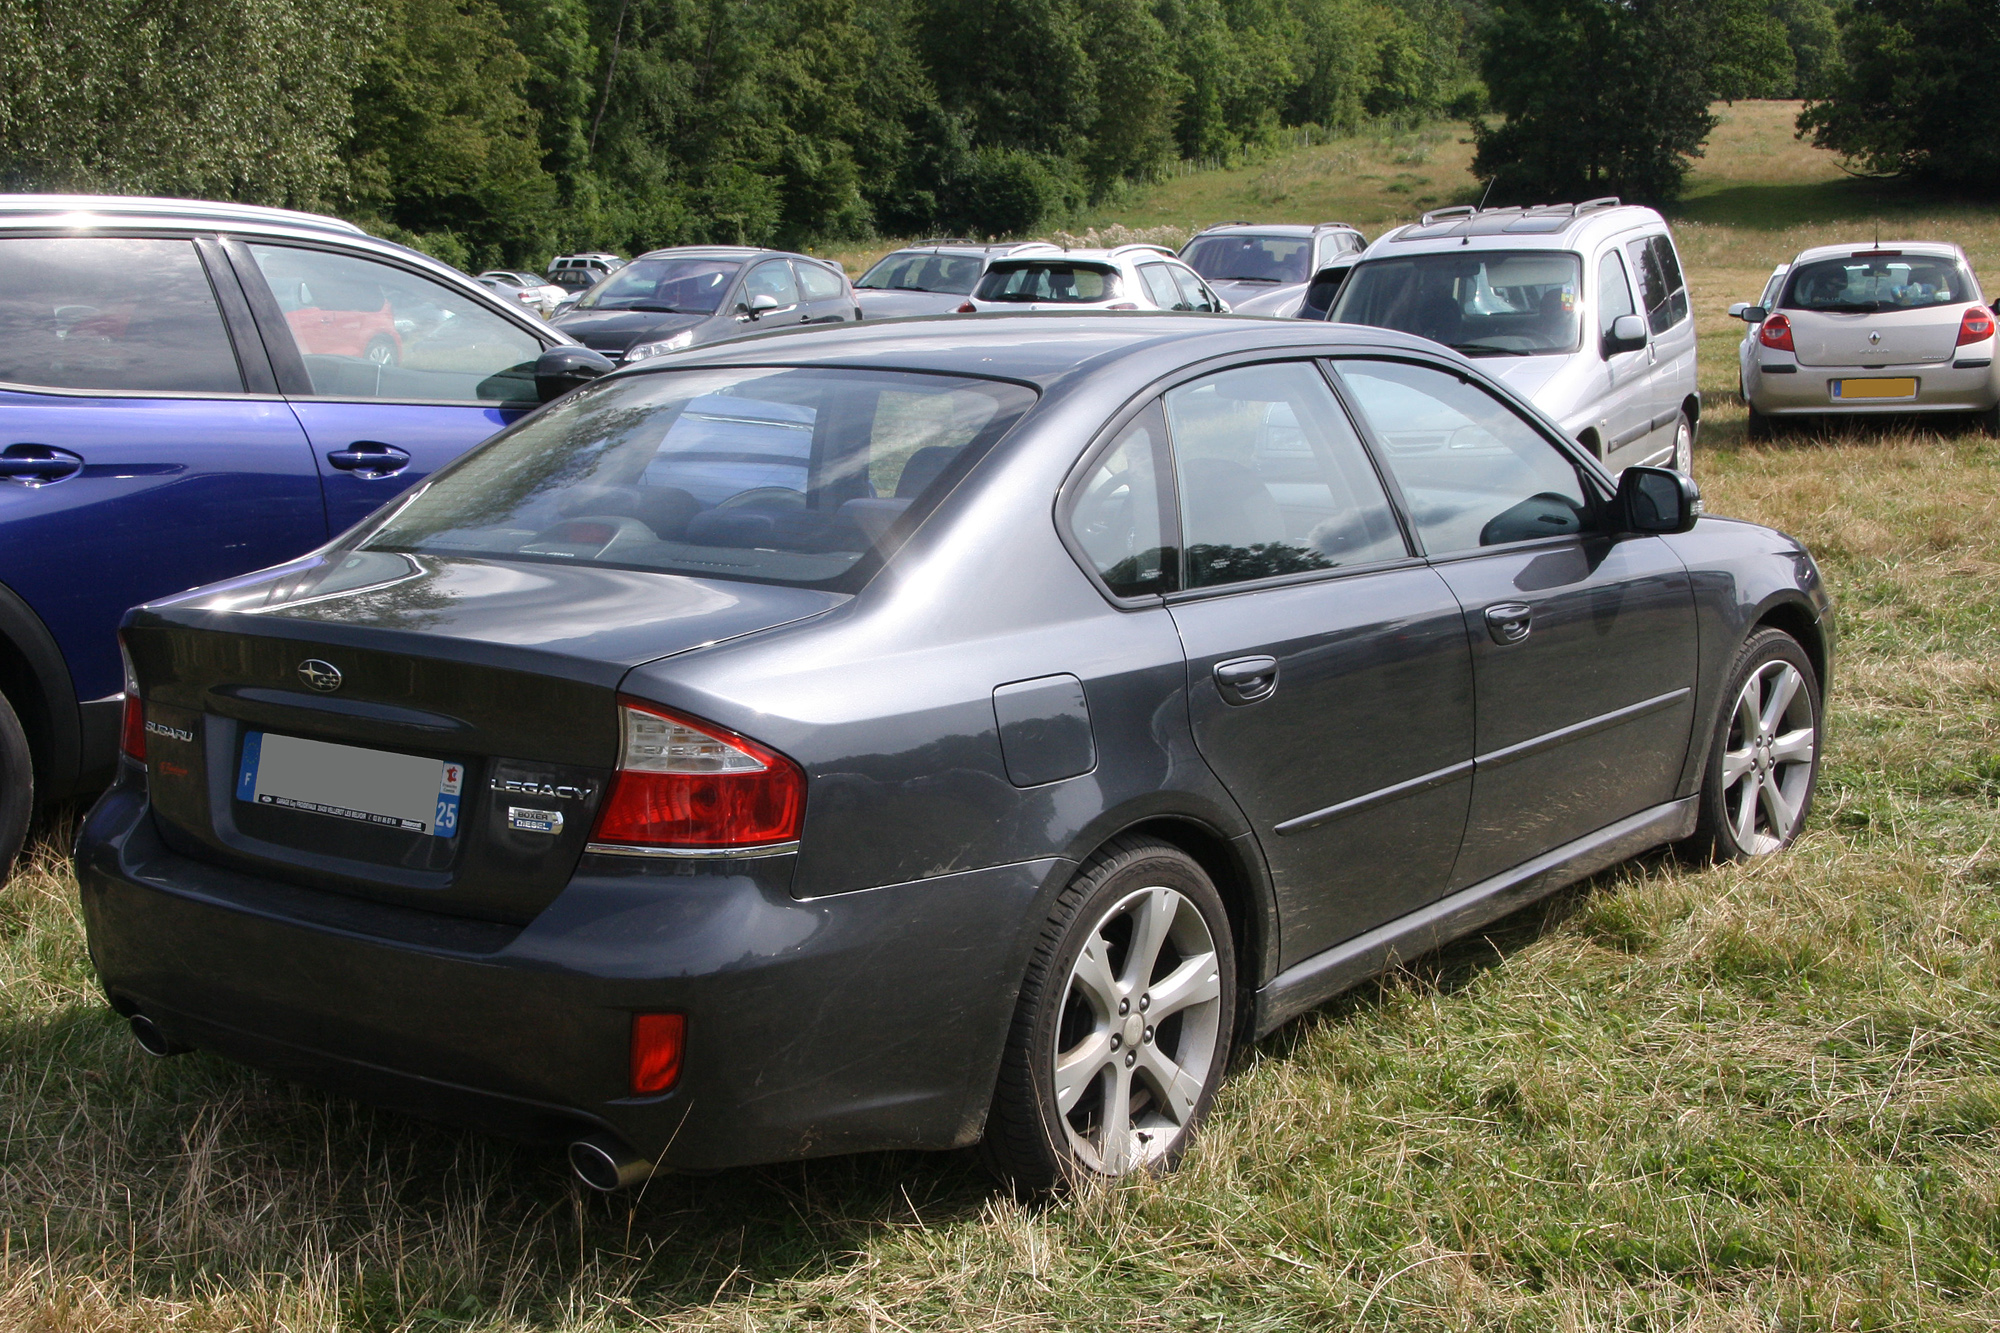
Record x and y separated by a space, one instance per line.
1885 328
1129 277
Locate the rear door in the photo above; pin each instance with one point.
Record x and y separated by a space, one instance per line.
825 294
1329 685
142 450
391 374
1582 640
1671 369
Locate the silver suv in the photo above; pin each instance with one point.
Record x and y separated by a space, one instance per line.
1581 309
931 277
1263 269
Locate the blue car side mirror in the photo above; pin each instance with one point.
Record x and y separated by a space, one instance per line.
561 369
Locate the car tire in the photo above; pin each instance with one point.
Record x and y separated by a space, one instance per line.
17 787
381 351
1683 459
1105 1037
1756 425
1989 420
1763 760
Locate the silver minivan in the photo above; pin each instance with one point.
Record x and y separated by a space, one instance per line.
1581 309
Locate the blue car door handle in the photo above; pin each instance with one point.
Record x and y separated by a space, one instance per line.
1247 680
370 458
38 464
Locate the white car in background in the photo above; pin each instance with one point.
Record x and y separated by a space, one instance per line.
1129 277
1887 328
532 293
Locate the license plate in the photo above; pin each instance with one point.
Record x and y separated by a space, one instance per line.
1903 388
397 791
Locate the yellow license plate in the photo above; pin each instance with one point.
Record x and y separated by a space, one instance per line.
1904 388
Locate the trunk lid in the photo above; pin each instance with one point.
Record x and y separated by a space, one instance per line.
294 719
1885 338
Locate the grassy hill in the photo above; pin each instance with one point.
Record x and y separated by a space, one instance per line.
1677 1097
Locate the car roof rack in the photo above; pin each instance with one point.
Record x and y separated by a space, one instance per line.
945 240
1148 247
1327 226
1234 222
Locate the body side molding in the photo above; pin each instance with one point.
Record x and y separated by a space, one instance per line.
1317 979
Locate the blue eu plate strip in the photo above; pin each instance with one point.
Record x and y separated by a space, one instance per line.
246 780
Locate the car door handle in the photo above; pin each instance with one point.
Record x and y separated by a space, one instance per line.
1246 680
38 464
370 458
1509 622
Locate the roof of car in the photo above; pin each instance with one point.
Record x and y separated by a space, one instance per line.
730 252
1544 226
1039 349
67 208
938 243
1278 228
1938 249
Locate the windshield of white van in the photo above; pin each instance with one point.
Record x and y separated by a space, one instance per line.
1482 302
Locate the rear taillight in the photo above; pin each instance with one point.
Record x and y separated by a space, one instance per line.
1776 333
1976 327
683 783
967 309
657 1040
132 738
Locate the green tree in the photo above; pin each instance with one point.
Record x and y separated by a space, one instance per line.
1612 96
1909 99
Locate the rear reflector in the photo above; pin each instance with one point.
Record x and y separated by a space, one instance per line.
132 737
656 1052
1776 333
1976 327
689 784
967 309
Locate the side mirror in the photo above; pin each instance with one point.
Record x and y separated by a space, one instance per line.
1323 288
1657 500
1628 334
760 304
1755 314
561 369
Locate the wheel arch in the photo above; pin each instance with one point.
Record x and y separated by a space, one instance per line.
1796 618
35 679
1692 406
1592 444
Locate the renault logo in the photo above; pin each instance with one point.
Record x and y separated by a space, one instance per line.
1874 339
322 676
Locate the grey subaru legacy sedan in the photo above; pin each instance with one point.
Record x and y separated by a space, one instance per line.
920 735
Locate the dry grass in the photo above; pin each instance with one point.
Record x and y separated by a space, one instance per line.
1747 1098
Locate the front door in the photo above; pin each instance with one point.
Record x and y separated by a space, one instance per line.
1625 422
1329 686
133 464
391 374
1582 639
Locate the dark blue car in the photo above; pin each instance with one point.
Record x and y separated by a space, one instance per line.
189 391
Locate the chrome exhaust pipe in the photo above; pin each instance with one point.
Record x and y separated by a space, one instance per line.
153 1041
603 1163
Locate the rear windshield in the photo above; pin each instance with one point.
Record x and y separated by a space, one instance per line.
1048 280
1481 302
1235 258
681 286
922 271
806 477
1864 284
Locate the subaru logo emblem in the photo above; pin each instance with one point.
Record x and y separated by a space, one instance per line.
322 676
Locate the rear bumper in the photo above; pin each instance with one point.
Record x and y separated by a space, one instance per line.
1941 387
863 1021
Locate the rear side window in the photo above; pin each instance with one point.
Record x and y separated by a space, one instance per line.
1124 509
799 476
106 312
821 284
1660 282
1273 479
1047 281
369 330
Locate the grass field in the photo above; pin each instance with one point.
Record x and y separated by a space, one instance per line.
1674 1098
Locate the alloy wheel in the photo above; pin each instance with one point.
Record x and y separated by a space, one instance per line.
1138 1035
1767 759
1684 448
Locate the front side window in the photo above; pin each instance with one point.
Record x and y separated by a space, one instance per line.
1273 479
1614 293
1194 294
1047 281
1868 283
664 286
1480 302
1124 508
772 278
922 271
107 312
1275 260
1473 473
369 330
798 476
1160 286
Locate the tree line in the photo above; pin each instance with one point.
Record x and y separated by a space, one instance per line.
500 131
